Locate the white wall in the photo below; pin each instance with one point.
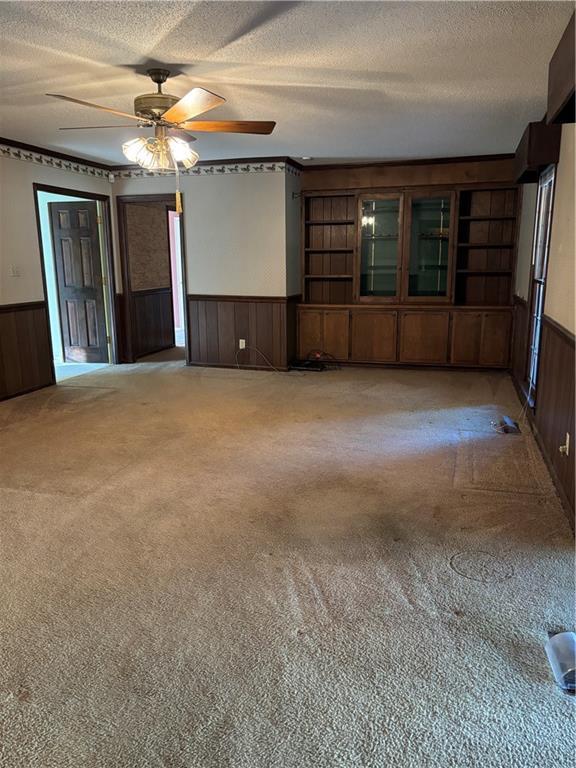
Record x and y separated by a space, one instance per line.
239 229
560 280
234 230
525 240
293 230
19 245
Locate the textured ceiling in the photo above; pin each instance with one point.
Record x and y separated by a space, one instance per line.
355 80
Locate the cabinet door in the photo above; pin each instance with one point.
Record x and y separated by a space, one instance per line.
373 337
336 333
310 331
424 337
466 337
495 341
380 247
428 246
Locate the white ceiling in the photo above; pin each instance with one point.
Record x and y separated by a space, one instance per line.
347 80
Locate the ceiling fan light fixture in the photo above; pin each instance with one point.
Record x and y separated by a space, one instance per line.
160 153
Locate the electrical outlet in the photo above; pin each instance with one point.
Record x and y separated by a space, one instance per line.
241 343
565 449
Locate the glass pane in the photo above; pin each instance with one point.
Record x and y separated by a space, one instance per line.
429 232
379 247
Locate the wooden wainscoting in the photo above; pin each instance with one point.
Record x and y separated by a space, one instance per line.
520 342
25 350
217 323
554 411
152 321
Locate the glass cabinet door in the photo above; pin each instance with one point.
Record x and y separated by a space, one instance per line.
379 246
429 246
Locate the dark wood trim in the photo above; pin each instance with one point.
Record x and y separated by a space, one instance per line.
236 299
555 325
419 161
23 307
226 161
377 177
152 291
70 192
128 295
53 153
538 148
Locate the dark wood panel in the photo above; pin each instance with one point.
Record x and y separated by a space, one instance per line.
336 334
554 409
561 79
25 350
424 173
217 323
495 339
152 321
424 337
520 338
466 336
373 337
310 332
538 147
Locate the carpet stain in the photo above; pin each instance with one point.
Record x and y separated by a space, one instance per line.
481 566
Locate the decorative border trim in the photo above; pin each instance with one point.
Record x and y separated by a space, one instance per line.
39 158
217 169
86 169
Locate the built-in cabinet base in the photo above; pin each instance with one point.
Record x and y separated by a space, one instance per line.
458 337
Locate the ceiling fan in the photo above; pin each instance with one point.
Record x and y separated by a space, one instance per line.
170 117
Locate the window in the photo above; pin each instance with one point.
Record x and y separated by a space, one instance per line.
540 249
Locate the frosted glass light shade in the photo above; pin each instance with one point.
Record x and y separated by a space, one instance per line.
160 154
182 152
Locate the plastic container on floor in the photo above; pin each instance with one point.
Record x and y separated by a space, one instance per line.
561 652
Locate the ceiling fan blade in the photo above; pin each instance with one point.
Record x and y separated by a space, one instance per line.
94 106
97 127
230 126
196 101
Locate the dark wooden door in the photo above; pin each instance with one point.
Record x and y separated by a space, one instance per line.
76 245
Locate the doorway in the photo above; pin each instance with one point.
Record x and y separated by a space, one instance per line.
153 300
76 262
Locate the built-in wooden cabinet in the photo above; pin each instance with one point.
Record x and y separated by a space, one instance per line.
412 275
481 338
325 331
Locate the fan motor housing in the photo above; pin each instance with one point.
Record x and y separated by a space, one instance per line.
153 105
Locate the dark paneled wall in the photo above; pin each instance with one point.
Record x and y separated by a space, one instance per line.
217 323
152 321
520 341
554 412
25 352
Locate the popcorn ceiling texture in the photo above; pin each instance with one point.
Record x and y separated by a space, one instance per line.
343 79
209 569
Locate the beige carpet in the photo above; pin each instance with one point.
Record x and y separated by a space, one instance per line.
227 569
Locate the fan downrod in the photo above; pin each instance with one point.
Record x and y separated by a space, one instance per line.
158 76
